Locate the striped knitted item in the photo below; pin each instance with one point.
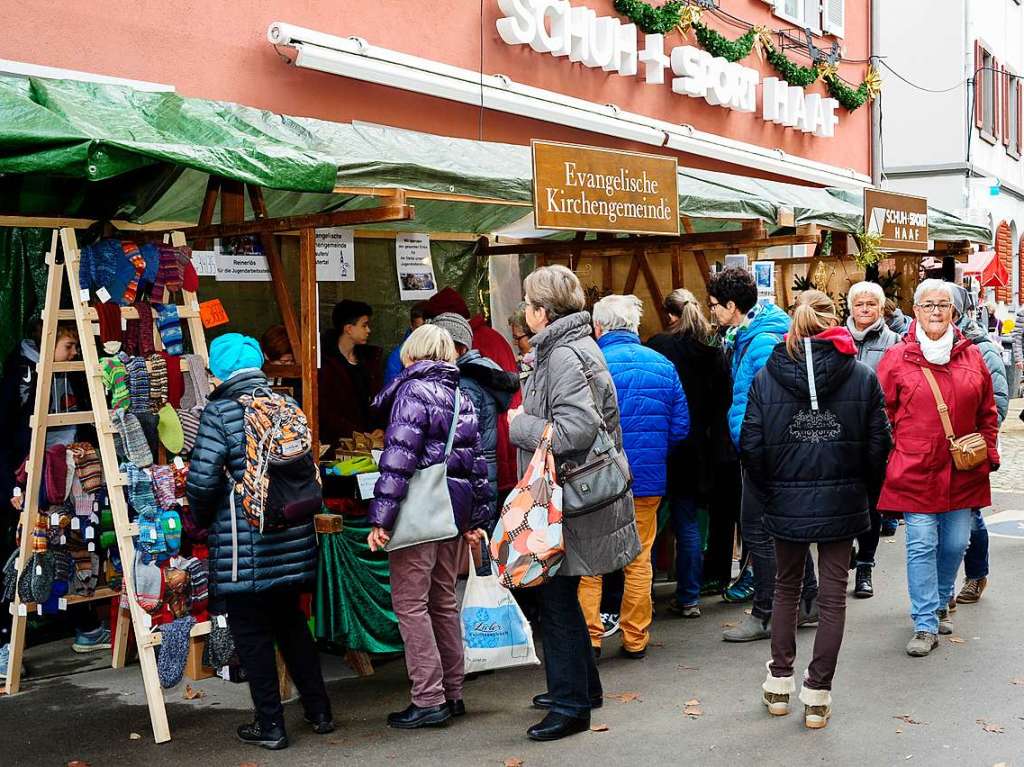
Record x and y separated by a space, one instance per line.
140 489
175 379
86 573
138 337
88 466
180 479
115 380
197 383
130 439
149 583
200 574
138 384
40 541
190 427
169 325
163 486
131 252
156 366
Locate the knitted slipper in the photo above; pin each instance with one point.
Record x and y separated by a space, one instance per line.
133 445
88 466
115 380
170 528
156 366
169 325
170 663
138 338
149 584
197 383
171 431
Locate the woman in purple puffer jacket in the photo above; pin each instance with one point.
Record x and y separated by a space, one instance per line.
420 404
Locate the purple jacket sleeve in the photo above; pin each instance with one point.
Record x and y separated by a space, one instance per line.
404 444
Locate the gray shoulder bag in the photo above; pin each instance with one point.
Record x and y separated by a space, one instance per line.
604 477
426 514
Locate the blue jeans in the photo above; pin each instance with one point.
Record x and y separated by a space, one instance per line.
976 558
935 548
689 557
568 655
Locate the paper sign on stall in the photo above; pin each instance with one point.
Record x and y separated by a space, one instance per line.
335 255
212 313
366 484
205 262
242 267
416 280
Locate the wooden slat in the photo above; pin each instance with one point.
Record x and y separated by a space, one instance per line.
154 638
70 419
308 342
74 599
703 266
279 281
655 289
206 212
77 366
382 214
416 194
634 272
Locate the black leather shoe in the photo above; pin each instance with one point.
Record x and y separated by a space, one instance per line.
457 707
633 654
414 716
555 726
545 701
863 588
322 723
273 738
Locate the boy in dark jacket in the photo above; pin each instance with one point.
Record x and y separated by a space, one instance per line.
259 575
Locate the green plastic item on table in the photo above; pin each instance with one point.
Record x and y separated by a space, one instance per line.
362 464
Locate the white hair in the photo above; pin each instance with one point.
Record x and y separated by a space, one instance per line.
929 285
428 342
619 313
872 288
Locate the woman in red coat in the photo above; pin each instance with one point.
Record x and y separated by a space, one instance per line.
921 481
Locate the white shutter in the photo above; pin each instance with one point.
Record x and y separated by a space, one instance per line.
812 15
790 10
835 17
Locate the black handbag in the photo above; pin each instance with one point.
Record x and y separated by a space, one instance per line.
604 477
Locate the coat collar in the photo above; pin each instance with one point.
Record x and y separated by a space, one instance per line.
564 330
423 370
243 383
618 338
912 351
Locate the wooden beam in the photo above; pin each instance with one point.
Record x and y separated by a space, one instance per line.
705 269
308 340
417 194
209 204
311 221
634 272
652 285
677 269
279 280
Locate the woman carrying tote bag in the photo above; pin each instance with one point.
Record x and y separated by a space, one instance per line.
425 430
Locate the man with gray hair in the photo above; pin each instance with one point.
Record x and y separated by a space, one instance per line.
654 418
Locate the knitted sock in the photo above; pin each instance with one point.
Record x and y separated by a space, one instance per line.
140 490
197 383
138 338
190 280
109 316
149 584
133 445
69 462
183 260
163 486
170 526
180 479
175 379
114 270
40 541
156 366
178 592
115 380
170 664
131 252
138 384
200 576
55 473
88 466
86 574
220 646
169 326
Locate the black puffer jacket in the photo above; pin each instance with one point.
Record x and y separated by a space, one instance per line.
817 469
274 560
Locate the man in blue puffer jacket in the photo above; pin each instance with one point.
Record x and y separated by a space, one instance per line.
752 331
654 418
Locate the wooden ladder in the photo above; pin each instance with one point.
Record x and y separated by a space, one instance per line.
63 260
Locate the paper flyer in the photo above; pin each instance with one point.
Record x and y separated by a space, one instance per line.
416 280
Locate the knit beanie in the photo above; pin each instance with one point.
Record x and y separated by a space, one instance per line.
149 584
42 574
170 429
131 440
457 326
175 379
232 352
115 380
138 337
169 325
88 467
156 367
447 300
109 317
197 382
25 579
170 663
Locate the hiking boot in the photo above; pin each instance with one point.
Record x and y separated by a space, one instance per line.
255 734
945 624
922 643
808 613
862 588
742 589
972 590
610 621
322 724
776 691
750 630
817 707
92 641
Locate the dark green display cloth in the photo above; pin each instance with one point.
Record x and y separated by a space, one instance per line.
353 596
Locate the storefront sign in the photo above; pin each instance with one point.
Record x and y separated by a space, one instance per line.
335 255
603 190
416 280
603 42
901 219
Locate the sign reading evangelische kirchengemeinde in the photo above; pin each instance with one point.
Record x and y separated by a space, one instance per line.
580 188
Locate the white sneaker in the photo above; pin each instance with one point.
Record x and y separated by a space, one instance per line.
611 624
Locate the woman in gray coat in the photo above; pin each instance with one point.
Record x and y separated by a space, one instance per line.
595 543
866 323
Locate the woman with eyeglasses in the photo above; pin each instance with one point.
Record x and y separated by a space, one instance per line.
921 480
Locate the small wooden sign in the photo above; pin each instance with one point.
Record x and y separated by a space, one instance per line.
581 188
901 219
212 313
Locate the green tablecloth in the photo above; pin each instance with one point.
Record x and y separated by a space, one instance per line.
353 597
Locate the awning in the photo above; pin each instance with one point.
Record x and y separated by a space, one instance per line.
989 269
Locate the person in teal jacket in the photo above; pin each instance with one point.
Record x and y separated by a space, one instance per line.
752 332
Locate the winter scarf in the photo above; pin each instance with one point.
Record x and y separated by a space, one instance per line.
936 352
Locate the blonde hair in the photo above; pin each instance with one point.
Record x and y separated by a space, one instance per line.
428 342
814 312
556 290
683 304
619 313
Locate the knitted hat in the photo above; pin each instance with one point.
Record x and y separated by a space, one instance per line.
457 326
133 445
175 379
189 420
169 325
232 352
109 317
447 300
170 527
220 645
170 429
149 584
115 380
42 574
197 382
88 466
156 366
170 663
25 579
151 254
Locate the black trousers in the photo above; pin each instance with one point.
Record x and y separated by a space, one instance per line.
568 656
723 516
257 621
867 544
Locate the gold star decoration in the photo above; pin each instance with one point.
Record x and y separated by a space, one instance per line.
873 80
688 16
762 40
827 70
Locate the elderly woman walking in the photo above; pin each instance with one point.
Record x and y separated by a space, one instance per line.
873 338
425 429
571 389
937 390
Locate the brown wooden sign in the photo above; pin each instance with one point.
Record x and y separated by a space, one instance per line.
901 219
582 188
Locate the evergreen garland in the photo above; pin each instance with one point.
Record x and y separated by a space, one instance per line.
651 20
850 98
788 71
718 45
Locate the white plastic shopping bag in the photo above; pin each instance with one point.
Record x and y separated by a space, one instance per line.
495 633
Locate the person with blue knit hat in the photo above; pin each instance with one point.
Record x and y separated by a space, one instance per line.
260 576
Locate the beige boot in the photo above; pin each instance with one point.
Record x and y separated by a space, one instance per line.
817 707
777 690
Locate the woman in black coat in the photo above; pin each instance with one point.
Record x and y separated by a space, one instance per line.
815 441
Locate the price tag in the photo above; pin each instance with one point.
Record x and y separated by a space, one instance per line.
76 523
63 540
172 523
92 547
366 484
147 620
124 322
90 533
39 609
54 519
39 569
152 535
179 463
212 313
83 295
103 295
62 604
95 506
22 610
17 492
222 622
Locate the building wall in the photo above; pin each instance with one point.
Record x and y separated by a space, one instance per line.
220 51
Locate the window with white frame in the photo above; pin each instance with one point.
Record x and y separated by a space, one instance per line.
819 16
985 92
1012 137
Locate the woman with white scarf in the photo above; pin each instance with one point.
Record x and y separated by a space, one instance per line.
921 481
866 323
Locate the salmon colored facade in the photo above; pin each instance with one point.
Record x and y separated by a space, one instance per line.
220 51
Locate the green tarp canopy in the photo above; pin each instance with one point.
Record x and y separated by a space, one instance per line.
73 148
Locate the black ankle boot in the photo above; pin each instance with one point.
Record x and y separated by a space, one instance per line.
414 716
555 726
323 724
273 738
863 588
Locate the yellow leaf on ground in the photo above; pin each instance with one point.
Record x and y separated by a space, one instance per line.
990 727
513 761
191 693
958 640
599 728
623 697
908 720
693 711
134 736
